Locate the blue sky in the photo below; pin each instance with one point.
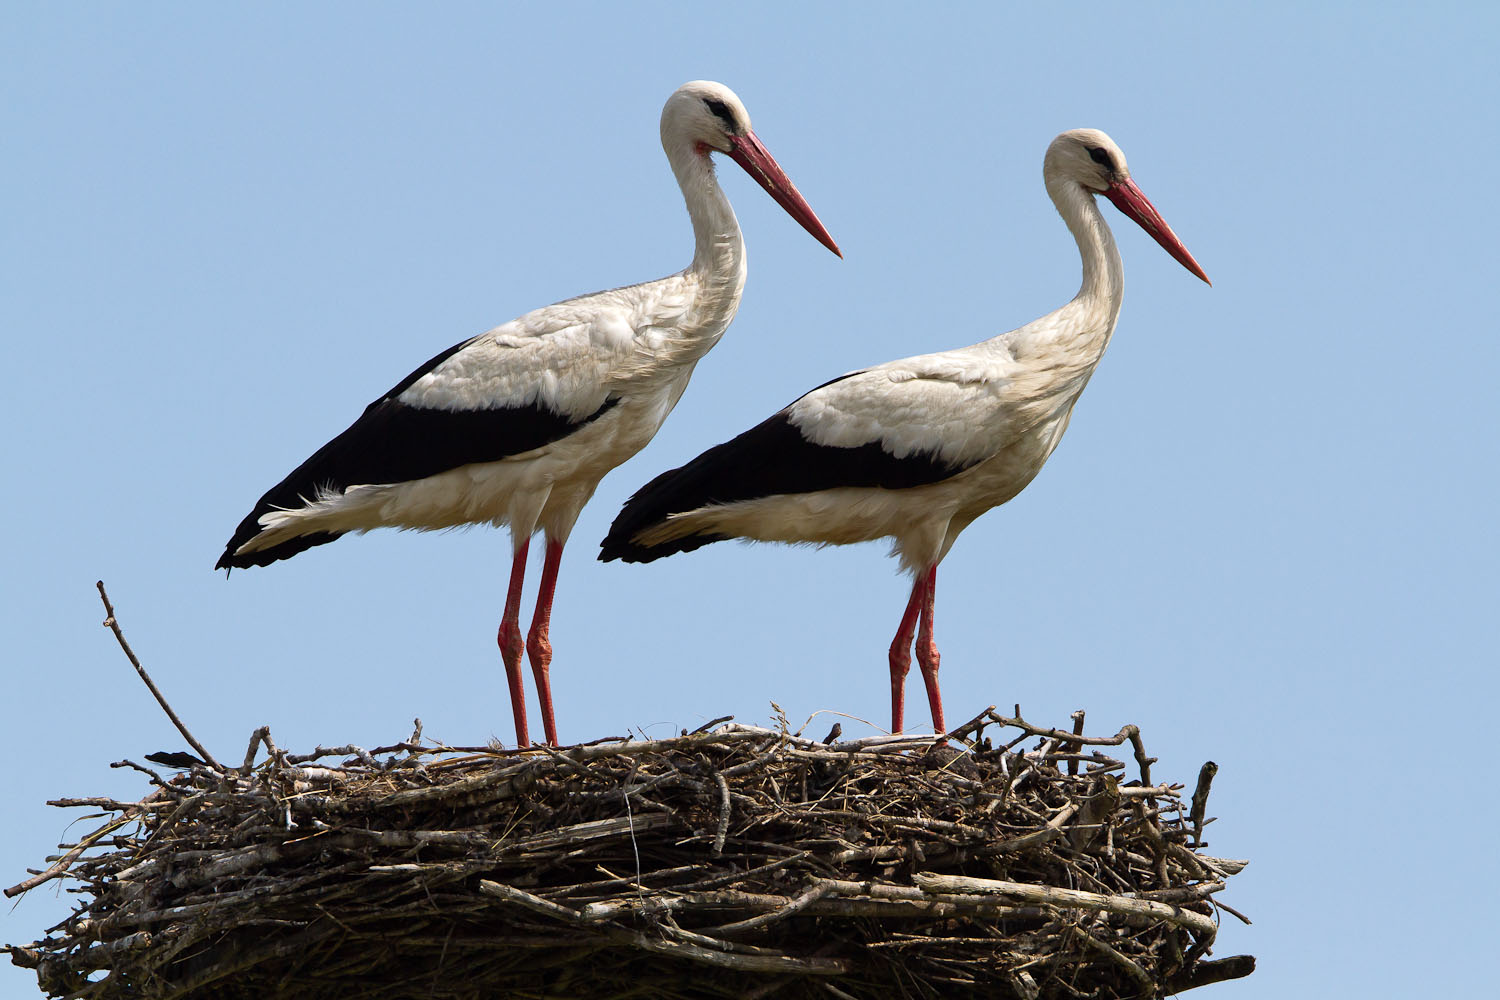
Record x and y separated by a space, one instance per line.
1268 537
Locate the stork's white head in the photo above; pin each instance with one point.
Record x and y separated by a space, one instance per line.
1089 159
704 117
704 113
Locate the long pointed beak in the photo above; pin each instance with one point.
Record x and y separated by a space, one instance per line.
1128 199
747 151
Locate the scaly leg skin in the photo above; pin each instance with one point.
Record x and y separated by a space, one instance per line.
901 655
538 644
927 652
509 639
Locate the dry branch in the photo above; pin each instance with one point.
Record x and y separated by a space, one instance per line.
113 624
730 862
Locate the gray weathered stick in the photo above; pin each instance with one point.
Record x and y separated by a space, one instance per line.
1057 896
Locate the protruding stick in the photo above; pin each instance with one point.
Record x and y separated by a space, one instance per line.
114 626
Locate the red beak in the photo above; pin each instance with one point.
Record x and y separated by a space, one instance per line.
1128 199
747 151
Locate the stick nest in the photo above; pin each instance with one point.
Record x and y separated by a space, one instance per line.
733 862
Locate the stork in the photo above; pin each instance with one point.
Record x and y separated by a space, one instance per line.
914 450
517 426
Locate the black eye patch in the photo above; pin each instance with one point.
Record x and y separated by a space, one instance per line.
1101 156
721 109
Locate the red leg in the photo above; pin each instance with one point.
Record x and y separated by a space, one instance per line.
538 644
901 655
509 639
927 652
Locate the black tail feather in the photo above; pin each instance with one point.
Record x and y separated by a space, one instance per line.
739 469
650 506
249 528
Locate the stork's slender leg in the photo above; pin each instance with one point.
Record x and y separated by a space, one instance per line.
927 651
510 643
538 645
901 654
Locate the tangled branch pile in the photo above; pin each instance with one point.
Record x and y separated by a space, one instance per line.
732 862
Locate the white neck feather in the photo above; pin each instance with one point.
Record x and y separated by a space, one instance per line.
1074 337
716 276
1103 275
718 246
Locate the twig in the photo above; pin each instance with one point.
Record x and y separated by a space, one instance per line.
1200 799
1180 894
347 750
566 761
534 903
113 624
743 963
722 829
1061 736
711 723
1056 896
1140 753
1232 912
975 725
1134 971
1073 748
1208 973
62 865
113 804
796 906
261 735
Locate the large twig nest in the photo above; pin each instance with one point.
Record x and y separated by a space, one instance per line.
739 862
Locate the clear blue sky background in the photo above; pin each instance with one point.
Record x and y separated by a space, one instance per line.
1268 538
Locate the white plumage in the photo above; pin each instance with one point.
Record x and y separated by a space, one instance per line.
914 450
518 425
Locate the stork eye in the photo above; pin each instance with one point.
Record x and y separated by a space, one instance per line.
721 109
1101 156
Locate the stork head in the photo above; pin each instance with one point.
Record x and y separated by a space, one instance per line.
704 117
704 113
1087 157
1091 160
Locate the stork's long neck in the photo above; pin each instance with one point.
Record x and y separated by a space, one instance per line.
1098 300
1063 347
718 246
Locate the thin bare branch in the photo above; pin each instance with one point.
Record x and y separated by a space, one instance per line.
113 624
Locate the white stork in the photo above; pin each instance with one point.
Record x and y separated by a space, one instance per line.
917 449
518 425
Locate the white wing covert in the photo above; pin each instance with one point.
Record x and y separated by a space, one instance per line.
931 405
